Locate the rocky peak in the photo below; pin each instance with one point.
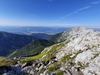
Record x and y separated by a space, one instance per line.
81 46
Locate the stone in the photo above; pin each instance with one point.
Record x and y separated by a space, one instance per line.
5 71
23 65
28 69
15 58
41 67
32 72
17 69
19 63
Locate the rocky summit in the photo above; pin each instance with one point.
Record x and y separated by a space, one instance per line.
77 53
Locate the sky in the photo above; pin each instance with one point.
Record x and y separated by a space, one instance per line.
62 13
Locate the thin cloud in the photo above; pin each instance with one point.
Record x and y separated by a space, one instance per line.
97 2
76 11
86 7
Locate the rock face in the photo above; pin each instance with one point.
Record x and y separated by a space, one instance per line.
78 54
81 46
67 34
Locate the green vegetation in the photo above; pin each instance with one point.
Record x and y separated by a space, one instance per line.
29 61
79 63
48 54
10 42
83 66
60 72
53 68
35 47
66 58
67 42
80 51
73 38
5 64
37 56
55 38
42 70
95 56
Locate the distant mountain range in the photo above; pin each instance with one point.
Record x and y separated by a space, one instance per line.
10 42
33 29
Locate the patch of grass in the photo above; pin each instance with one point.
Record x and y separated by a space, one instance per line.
29 61
73 38
55 67
60 72
49 57
95 56
79 63
12 54
83 66
88 47
87 64
67 42
37 56
66 58
80 51
42 70
5 62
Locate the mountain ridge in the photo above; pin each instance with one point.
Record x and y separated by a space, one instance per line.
60 37
9 42
81 47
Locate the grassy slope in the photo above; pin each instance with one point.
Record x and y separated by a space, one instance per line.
54 49
35 47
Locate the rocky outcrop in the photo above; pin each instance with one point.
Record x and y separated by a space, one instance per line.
81 46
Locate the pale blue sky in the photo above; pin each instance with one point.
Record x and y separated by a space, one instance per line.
66 13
